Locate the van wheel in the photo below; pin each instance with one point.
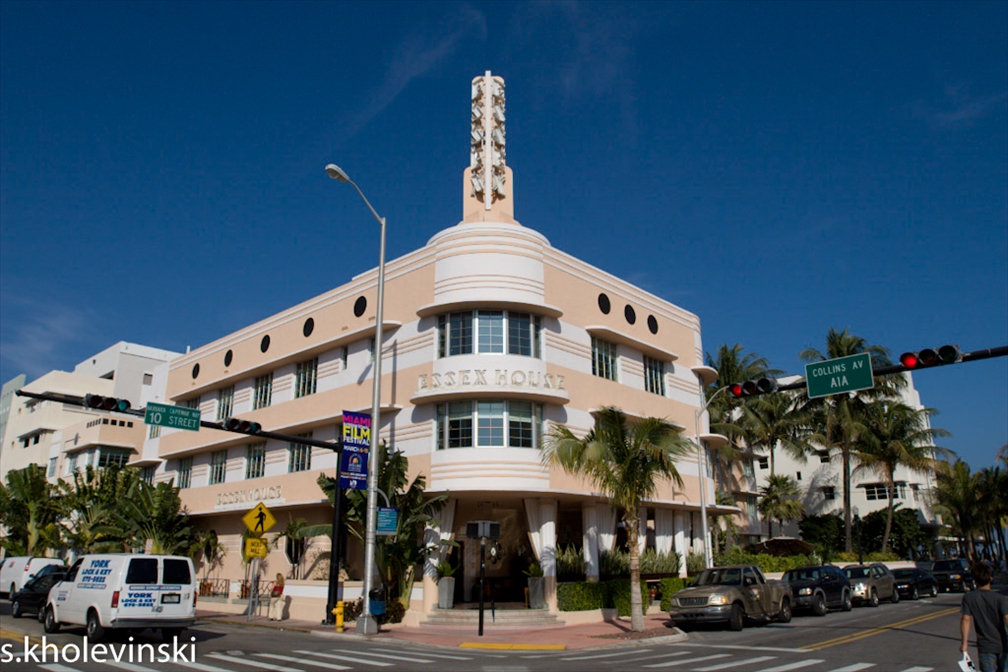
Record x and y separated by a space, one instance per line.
95 631
847 603
819 605
736 617
15 609
168 634
49 623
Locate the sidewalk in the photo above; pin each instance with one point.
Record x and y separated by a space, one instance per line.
591 635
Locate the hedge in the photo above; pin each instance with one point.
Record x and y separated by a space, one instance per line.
584 596
667 588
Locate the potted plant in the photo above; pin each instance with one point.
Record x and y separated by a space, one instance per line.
536 586
445 585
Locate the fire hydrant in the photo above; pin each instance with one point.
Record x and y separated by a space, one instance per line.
338 613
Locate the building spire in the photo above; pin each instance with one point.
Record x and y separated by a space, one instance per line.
488 180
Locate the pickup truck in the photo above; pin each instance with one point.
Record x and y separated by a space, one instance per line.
731 595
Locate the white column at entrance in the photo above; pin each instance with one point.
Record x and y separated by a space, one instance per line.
590 540
547 536
641 530
680 540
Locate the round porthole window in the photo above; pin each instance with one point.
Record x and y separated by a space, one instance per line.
603 304
195 371
629 314
264 344
228 356
359 306
309 327
652 324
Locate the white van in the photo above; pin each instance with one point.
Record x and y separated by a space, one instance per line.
19 570
124 591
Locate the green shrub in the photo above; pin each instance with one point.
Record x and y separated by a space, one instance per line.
570 563
852 558
394 611
667 588
767 563
653 563
619 595
581 596
695 563
614 563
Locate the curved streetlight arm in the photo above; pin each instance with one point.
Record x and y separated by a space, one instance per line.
381 220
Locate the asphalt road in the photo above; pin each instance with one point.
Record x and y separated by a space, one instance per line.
907 637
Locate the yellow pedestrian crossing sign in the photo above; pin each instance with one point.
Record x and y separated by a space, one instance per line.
259 519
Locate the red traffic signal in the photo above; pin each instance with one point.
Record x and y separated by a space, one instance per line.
102 403
241 426
752 388
946 354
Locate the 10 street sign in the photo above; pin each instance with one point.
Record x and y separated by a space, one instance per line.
167 415
835 376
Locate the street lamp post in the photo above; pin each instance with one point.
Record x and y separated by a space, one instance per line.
366 623
708 555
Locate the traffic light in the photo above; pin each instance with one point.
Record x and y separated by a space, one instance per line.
752 388
946 354
241 426
99 402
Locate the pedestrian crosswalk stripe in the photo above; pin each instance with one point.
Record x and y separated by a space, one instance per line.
305 661
202 666
399 657
56 667
352 659
854 668
793 666
918 669
602 655
689 660
129 667
735 663
253 663
426 654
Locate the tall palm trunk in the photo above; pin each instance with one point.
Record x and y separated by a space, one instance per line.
846 495
632 523
890 487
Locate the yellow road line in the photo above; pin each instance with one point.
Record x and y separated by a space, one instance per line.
18 636
513 647
879 630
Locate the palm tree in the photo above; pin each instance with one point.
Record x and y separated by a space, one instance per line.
990 505
840 417
779 500
88 502
29 512
776 420
898 435
153 513
956 493
624 462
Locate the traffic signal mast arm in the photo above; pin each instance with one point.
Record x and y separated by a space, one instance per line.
79 401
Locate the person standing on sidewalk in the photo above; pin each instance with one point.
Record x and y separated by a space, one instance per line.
276 599
988 613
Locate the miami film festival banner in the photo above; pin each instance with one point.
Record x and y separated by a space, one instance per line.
356 444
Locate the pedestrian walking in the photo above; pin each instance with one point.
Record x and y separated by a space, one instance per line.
276 604
987 612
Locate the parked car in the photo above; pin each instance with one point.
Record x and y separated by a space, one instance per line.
819 589
731 595
914 582
872 583
16 571
123 591
32 598
953 574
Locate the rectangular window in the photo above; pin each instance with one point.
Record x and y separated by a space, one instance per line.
148 379
490 423
764 463
460 425
192 403
52 468
520 334
491 332
876 491
262 393
154 432
225 402
300 455
255 461
751 509
72 463
823 457
603 359
305 378
184 472
828 493
460 334
344 357
797 475
654 376
747 469
520 433
116 456
147 474
218 466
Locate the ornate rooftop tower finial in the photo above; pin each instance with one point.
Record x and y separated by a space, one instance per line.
488 177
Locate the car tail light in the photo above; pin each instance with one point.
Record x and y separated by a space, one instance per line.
194 594
115 599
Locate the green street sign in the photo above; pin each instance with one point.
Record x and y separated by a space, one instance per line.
835 376
166 415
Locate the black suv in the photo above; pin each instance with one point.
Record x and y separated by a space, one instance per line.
819 588
953 574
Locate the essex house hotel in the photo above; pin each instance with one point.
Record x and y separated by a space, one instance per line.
491 334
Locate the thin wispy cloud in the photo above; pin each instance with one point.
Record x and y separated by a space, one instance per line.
959 109
420 53
41 337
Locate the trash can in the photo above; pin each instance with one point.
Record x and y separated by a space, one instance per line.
376 601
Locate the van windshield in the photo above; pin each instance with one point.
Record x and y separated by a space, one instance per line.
142 570
176 571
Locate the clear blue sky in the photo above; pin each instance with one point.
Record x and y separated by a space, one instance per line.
776 168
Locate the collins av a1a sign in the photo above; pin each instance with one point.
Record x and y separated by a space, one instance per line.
835 376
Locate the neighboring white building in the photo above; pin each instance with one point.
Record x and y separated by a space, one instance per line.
63 437
6 397
821 480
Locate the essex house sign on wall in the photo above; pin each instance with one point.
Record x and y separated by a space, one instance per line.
485 377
